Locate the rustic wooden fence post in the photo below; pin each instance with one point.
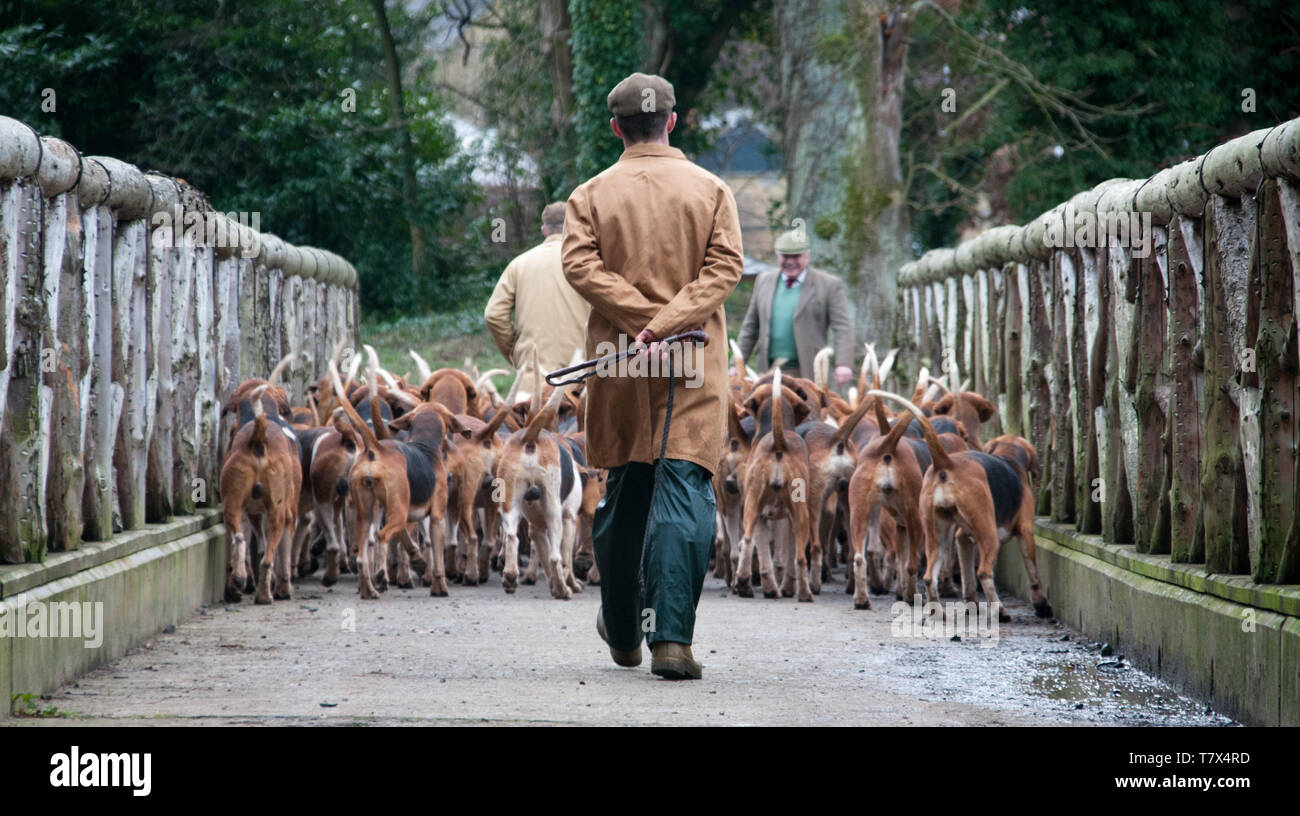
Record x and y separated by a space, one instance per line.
1185 268
1276 353
130 198
63 362
104 400
164 268
1277 359
1228 539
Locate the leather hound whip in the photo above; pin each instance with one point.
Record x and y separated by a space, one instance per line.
598 366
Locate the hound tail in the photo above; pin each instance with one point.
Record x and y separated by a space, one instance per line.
543 418
822 368
278 371
938 455
258 439
778 421
368 438
422 369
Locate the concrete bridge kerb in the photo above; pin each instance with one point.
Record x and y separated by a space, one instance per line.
1232 169
59 168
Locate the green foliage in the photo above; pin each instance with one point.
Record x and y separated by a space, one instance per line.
246 101
28 705
606 46
1184 63
517 99
1172 55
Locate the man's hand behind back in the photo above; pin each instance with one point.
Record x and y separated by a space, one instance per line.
650 339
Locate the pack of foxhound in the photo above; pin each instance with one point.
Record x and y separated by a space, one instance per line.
447 481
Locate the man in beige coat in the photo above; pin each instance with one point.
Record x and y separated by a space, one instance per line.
790 312
534 307
653 243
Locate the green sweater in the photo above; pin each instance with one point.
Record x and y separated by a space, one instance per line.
781 342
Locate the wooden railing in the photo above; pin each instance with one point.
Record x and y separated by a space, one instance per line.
128 311
1152 361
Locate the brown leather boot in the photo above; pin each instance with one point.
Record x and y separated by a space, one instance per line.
627 659
674 661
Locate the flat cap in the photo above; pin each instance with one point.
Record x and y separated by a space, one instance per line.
641 93
793 242
553 214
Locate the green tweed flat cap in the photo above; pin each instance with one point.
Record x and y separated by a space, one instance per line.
793 242
641 93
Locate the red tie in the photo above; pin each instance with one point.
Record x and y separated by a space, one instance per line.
790 282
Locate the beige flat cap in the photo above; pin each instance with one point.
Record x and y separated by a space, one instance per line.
793 242
641 93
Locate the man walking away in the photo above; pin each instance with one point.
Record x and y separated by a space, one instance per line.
653 243
533 306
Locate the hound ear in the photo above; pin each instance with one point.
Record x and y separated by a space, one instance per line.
944 405
801 411
451 423
454 425
401 423
982 406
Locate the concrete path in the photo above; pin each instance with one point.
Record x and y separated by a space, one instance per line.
481 656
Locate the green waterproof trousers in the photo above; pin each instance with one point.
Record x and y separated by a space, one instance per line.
676 556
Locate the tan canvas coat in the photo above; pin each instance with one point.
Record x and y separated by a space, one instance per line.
654 242
823 305
534 306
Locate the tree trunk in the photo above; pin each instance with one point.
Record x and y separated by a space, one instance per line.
553 20
842 68
410 190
